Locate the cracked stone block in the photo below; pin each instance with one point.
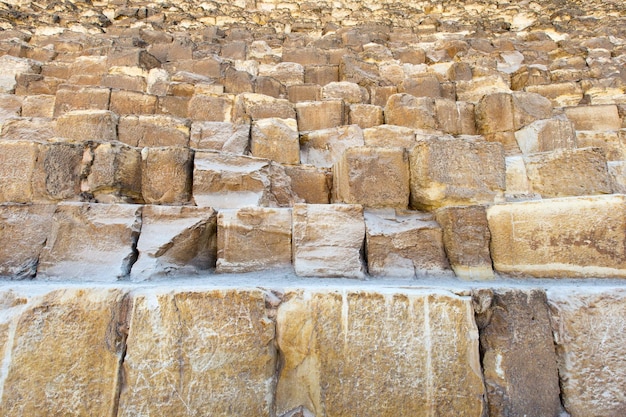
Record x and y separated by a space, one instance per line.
175 240
91 242
67 347
343 90
132 102
381 354
617 171
612 142
153 131
275 139
455 117
58 171
546 135
199 353
10 106
317 115
561 94
494 113
325 147
86 125
288 73
604 117
409 111
561 237
253 239
11 67
220 136
251 106
166 175
328 240
517 183
18 161
365 115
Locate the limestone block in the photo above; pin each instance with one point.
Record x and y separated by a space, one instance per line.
275 139
321 74
403 244
132 102
517 183
589 339
86 125
28 128
220 136
153 130
528 107
455 117
372 177
389 136
18 160
568 172
617 171
378 354
166 175
561 94
564 237
508 141
41 105
546 135
304 92
132 57
253 239
23 231
456 171
473 90
175 240
10 106
316 115
81 98
288 73
379 95
343 90
58 171
208 353
251 106
211 108
67 346
365 115
519 360
91 242
466 238
11 67
594 117
613 143
327 240
494 113
323 148
311 184
114 174
409 111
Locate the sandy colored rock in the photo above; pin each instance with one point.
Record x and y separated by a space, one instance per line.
199 353
66 351
343 90
91 242
372 177
564 237
58 172
316 115
389 136
132 102
10 106
528 107
220 136
475 89
612 142
546 135
166 175
617 171
28 129
41 105
312 184
85 125
591 368
275 139
466 238
594 117
455 117
327 240
422 345
365 115
251 106
519 359
11 67
211 108
81 98
568 172
449 171
561 94
18 160
288 73
409 111
494 113
517 183
324 148
175 240
253 239
153 131
403 244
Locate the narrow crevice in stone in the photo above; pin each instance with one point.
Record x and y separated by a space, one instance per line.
555 335
130 260
118 331
273 300
482 300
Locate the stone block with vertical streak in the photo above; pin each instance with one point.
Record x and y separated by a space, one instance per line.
166 175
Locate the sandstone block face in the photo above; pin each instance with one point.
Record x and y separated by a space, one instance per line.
91 242
85 125
11 67
546 135
405 244
455 118
211 108
115 174
519 359
310 183
199 353
342 90
66 352
323 148
612 142
18 160
316 115
592 367
81 98
258 106
466 238
409 111
494 113
529 107
166 175
569 172
175 240
594 117
58 172
38 106
276 139
565 237
23 231
389 136
153 131
253 239
28 129
560 94
327 240
422 345
220 136
456 171
365 115
372 177
132 102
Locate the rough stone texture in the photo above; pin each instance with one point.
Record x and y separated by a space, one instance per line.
199 353
494 113
11 67
253 239
153 131
38 106
91 242
565 237
612 142
403 244
31 128
211 108
594 117
85 125
175 240
546 135
220 136
323 148
423 347
455 118
389 136
617 171
372 177
114 174
251 106
310 183
18 160
466 238
316 115
519 359
328 240
456 171
365 115
65 355
58 172
275 139
81 98
166 175
409 111
591 368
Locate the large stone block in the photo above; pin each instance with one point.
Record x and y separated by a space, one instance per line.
132 102
409 111
86 125
11 67
65 354
316 115
365 115
18 160
28 129
546 135
328 240
91 242
324 148
612 142
389 136
166 175
58 171
378 354
199 353
311 184
561 94
594 117
72 98
565 237
494 113
372 177
455 117
221 136
153 131
590 340
275 139
253 239
403 244
449 171
41 105
258 106
211 108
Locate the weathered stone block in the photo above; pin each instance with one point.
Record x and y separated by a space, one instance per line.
288 73
86 125
365 115
10 107
529 107
389 136
456 171
258 106
372 177
132 102
304 92
28 129
311 184
166 175
328 239
275 139
409 111
41 105
253 239
323 148
455 117
379 95
546 135
211 108
220 136
153 131
617 171
613 143
11 67
565 237
479 86
316 115
114 174
422 345
58 171
321 74
559 93
81 98
343 90
18 160
594 117
494 113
